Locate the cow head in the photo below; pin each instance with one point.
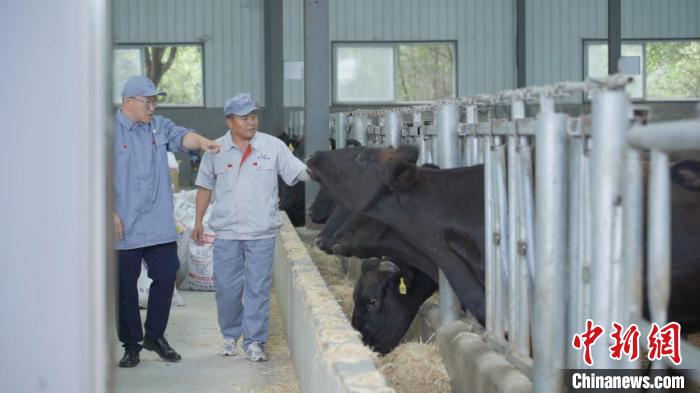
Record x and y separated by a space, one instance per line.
322 207
358 176
383 311
337 219
686 174
358 236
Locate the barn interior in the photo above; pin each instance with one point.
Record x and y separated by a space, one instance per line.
579 119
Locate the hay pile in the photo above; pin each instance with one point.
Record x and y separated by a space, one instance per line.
415 367
328 265
411 367
332 272
343 292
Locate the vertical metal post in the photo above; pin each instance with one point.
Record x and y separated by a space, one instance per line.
341 130
447 121
614 35
467 150
392 128
359 128
480 148
659 238
586 232
428 145
575 297
501 235
417 139
434 150
520 42
422 150
273 116
632 201
528 187
472 144
316 84
527 235
609 126
515 301
369 132
551 226
489 235
514 222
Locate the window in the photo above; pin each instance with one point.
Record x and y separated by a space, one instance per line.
662 70
393 72
175 69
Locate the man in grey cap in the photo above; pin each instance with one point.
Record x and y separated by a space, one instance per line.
143 215
245 220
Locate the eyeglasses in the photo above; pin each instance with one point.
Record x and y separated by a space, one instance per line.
152 102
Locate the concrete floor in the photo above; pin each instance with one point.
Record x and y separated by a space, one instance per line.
193 331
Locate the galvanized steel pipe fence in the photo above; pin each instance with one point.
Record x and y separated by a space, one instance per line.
556 252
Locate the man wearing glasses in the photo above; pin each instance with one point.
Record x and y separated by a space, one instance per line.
143 215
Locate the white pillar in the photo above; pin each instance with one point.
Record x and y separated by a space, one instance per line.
56 133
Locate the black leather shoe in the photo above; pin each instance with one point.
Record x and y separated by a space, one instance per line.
162 348
130 359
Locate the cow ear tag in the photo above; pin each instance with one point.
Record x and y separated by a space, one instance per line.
402 286
291 147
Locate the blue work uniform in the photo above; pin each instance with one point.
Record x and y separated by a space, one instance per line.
245 220
143 200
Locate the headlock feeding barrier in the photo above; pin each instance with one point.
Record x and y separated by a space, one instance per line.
564 225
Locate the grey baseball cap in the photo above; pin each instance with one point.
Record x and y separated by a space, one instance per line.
239 105
140 85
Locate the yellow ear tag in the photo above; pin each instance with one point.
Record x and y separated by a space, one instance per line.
402 286
291 148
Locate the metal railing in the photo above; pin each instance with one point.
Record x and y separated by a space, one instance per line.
573 254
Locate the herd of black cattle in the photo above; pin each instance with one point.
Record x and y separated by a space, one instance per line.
376 203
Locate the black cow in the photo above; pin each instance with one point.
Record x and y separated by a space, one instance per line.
292 197
387 289
352 234
325 238
437 211
350 142
364 237
322 207
684 305
686 174
440 212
